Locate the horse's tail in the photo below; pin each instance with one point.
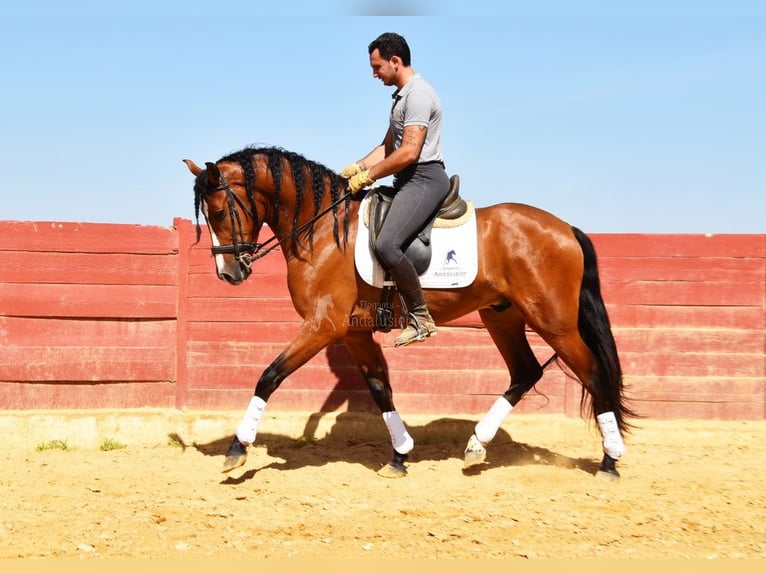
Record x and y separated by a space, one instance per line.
596 330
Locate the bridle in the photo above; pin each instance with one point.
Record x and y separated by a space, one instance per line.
241 249
247 252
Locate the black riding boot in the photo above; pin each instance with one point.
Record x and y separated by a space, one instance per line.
420 324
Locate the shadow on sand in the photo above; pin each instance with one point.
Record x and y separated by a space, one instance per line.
361 438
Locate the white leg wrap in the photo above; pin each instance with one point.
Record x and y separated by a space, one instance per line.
400 438
249 424
610 433
486 428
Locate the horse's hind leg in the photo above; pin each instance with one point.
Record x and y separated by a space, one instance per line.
577 356
506 328
372 363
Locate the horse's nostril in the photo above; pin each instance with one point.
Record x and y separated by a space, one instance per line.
234 278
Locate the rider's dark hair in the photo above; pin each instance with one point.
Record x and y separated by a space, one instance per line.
390 44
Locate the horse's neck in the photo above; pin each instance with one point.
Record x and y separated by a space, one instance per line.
324 224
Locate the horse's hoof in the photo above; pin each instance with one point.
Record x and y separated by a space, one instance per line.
395 467
475 453
474 458
608 470
236 456
391 471
233 461
607 476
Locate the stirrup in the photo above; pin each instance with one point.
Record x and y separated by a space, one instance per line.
416 331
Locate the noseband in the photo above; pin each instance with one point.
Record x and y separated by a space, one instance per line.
246 252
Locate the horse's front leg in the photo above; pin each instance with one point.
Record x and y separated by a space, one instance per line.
310 340
369 356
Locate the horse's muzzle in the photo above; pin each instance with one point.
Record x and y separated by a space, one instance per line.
234 272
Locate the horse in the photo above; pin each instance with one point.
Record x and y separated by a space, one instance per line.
534 270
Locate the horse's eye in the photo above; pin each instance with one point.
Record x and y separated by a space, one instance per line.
218 215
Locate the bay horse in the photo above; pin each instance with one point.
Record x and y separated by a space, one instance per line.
534 270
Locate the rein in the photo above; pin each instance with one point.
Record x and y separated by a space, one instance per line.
246 252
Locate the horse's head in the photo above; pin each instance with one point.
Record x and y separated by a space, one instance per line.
231 216
245 189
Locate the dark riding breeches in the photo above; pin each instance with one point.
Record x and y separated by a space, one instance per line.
420 192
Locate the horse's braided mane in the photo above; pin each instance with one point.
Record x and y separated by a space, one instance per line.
299 168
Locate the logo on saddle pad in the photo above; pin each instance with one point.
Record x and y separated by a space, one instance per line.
446 258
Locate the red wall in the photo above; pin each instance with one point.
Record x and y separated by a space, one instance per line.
116 316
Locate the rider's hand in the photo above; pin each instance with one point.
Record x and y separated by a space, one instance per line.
360 181
350 170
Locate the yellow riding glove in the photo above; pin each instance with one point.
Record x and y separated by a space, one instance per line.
360 181
350 171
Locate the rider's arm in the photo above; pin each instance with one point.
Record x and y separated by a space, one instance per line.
413 138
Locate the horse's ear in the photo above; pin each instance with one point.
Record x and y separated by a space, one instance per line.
193 167
213 174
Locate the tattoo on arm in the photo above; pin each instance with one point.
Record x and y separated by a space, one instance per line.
414 137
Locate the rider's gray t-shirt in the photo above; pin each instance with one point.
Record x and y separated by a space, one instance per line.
416 104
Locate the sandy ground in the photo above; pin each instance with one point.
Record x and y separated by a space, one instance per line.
688 489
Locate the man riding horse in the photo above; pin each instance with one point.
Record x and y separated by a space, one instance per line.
411 151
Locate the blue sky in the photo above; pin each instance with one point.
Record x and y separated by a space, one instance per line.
616 116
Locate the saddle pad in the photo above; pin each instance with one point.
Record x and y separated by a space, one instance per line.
454 258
